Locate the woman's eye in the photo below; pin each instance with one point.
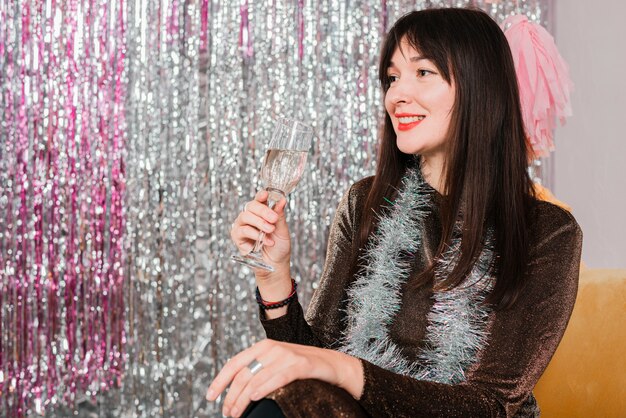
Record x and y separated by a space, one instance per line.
423 73
392 78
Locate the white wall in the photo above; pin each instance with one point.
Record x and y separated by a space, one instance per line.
590 158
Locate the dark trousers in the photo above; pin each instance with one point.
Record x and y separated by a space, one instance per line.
265 408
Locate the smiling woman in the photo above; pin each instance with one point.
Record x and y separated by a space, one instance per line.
419 101
447 285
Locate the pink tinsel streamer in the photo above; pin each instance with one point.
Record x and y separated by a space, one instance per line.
204 25
543 78
245 34
62 324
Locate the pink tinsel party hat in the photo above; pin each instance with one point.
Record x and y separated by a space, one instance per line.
543 78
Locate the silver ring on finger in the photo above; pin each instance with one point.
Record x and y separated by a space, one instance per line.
255 366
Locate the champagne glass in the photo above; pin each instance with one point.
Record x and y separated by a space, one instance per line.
282 168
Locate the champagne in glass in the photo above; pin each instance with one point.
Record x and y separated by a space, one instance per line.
282 169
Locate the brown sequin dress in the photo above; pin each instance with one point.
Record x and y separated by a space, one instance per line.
521 341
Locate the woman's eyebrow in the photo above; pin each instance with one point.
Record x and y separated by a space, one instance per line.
415 58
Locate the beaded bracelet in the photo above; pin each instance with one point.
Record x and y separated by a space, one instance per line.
274 305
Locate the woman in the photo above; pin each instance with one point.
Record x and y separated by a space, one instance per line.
447 286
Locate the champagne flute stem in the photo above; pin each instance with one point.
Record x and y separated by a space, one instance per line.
273 197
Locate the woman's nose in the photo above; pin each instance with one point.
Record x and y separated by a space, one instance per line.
399 93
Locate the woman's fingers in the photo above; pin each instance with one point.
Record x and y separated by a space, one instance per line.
245 394
261 210
261 195
247 233
232 367
226 375
247 226
246 246
279 208
236 391
282 363
249 218
245 236
237 374
275 362
257 214
258 217
260 389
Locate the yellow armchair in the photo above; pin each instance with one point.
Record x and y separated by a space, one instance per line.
587 375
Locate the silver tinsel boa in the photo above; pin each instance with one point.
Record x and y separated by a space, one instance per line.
130 134
457 321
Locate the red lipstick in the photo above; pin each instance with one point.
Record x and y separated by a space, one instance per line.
407 126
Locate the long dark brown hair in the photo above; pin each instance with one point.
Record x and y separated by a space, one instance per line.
486 182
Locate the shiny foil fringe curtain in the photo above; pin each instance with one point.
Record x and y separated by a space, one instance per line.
131 134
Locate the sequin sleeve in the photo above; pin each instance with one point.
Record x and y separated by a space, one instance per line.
521 343
321 327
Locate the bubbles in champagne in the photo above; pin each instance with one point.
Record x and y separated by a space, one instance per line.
283 168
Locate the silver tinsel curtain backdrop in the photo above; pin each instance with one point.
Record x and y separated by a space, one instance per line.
131 133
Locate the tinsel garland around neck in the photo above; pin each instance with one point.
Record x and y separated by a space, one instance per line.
457 321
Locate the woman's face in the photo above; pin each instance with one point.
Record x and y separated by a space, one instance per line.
419 102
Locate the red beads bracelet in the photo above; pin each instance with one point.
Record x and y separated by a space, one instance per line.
274 305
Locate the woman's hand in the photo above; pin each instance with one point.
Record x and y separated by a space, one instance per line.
282 363
257 217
